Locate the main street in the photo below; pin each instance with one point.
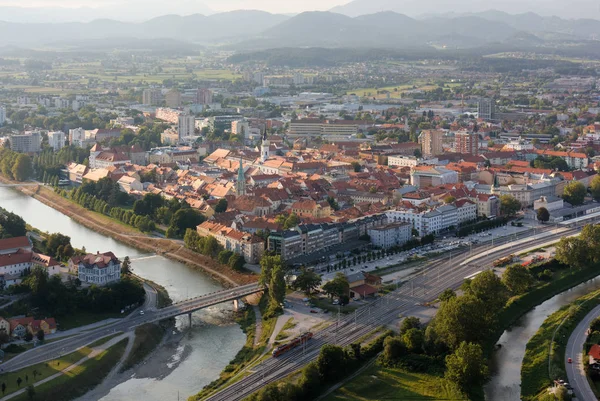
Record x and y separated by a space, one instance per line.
575 372
423 288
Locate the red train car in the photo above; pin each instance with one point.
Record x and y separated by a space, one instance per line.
292 344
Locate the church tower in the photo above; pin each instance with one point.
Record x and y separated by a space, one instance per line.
264 147
240 186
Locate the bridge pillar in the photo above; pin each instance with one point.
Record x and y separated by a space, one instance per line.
236 305
190 319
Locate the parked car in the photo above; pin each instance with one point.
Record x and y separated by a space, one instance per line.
570 360
313 311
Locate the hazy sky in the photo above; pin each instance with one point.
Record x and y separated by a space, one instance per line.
277 6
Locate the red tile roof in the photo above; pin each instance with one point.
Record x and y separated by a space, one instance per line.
12 243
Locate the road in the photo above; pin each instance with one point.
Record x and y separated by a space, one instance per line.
575 373
423 288
151 315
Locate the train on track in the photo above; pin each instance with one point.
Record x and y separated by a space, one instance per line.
292 344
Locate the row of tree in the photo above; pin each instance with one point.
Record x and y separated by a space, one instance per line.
210 247
15 166
11 225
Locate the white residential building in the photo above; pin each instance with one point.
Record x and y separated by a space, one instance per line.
77 137
403 161
390 235
56 140
424 177
99 268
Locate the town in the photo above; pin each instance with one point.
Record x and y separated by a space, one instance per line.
301 224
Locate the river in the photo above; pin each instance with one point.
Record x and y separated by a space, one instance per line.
506 363
192 357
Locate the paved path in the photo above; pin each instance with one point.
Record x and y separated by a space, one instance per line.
281 321
258 326
95 352
575 372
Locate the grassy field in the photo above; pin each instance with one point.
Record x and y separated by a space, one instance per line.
379 383
396 90
43 370
80 380
535 374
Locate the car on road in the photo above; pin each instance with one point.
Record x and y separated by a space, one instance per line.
570 360
142 312
313 311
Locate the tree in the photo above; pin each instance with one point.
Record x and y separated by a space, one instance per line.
22 168
595 187
393 350
183 219
543 215
414 339
267 263
517 279
19 381
307 281
489 288
4 338
465 318
276 291
409 323
28 336
466 366
574 193
509 206
126 266
572 252
337 287
221 206
356 167
3 388
447 294
40 335
236 262
331 363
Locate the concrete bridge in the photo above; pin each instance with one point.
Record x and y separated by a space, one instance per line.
192 305
25 184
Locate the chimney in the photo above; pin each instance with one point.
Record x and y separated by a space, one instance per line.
97 252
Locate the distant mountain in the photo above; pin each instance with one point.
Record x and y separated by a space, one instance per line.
381 29
130 10
414 8
192 28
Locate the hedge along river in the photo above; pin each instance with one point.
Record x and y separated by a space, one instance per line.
505 382
192 357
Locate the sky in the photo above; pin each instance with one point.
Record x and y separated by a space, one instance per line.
275 6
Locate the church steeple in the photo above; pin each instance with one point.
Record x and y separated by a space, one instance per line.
240 188
264 147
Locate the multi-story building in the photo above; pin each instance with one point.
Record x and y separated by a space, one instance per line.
17 258
186 126
315 127
486 108
77 137
99 269
466 143
310 208
103 157
204 96
2 115
28 142
56 140
152 97
173 98
403 161
240 127
431 142
390 235
432 176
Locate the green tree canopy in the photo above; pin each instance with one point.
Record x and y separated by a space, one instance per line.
543 215
509 206
22 170
574 193
337 287
517 279
489 288
307 281
595 187
466 366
